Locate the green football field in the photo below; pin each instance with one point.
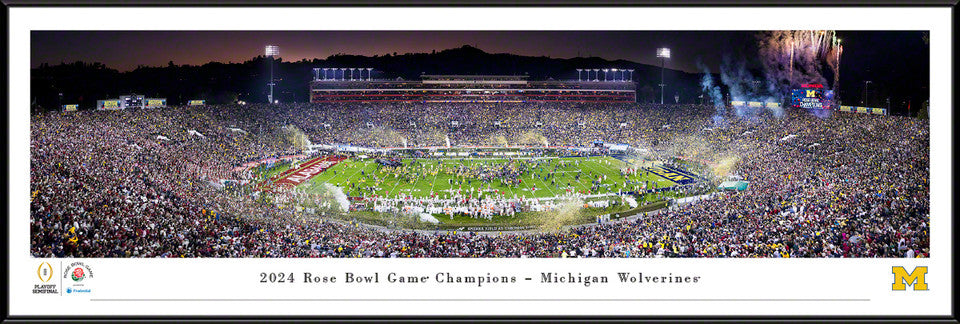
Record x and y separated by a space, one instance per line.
530 178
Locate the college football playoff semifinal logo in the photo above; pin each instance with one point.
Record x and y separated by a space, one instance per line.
45 272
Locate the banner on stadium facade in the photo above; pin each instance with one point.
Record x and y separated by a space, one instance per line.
738 103
70 107
864 110
110 104
196 102
617 147
734 185
155 102
773 105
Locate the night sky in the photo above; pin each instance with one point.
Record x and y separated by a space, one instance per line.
125 50
889 59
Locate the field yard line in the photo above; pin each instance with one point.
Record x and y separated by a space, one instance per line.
513 192
331 178
545 185
495 160
351 176
581 184
524 183
331 168
412 189
598 172
395 186
434 183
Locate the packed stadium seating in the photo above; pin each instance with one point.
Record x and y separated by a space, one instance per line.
141 183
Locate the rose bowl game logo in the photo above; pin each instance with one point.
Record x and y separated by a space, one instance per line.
80 274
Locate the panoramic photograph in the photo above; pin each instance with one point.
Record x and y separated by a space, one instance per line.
480 144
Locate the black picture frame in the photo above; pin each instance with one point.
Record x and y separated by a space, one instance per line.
7 4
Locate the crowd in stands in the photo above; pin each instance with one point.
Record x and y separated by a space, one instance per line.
143 183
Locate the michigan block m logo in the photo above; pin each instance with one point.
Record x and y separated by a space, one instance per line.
917 278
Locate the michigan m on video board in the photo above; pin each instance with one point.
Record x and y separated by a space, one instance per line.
812 96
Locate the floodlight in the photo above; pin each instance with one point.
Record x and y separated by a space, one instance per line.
663 52
272 50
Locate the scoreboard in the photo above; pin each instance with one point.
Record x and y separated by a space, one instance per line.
812 97
69 107
132 101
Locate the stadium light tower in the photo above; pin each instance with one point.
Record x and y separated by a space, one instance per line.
605 74
368 74
596 74
631 74
663 53
578 74
270 52
866 85
325 73
614 78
